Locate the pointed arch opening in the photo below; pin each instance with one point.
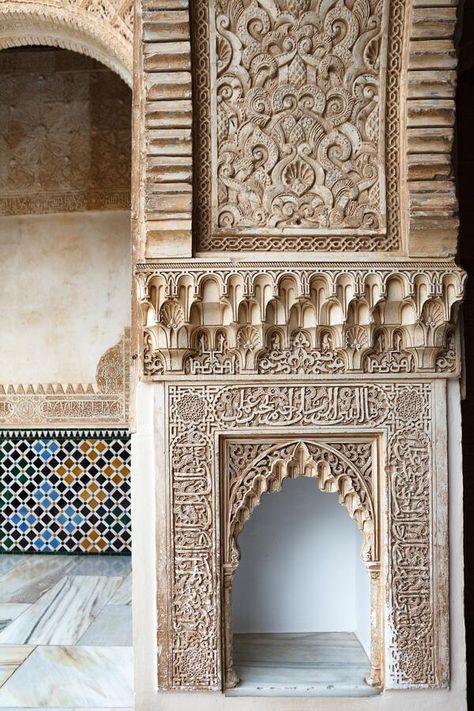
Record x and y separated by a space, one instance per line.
342 468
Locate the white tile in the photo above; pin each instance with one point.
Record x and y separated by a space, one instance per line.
123 596
14 654
64 613
113 565
9 561
33 576
10 659
112 628
11 610
72 677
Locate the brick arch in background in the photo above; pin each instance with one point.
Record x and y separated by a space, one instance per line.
101 29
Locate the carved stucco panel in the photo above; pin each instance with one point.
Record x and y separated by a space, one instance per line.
400 413
305 106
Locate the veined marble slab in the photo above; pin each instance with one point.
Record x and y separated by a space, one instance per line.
63 614
9 561
123 596
111 565
10 659
10 611
112 628
33 576
305 664
72 677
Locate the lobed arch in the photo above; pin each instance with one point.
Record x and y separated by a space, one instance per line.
337 468
101 30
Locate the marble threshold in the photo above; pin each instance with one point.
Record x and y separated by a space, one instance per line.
301 664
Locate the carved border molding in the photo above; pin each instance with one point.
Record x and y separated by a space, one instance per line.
104 403
303 319
414 603
102 29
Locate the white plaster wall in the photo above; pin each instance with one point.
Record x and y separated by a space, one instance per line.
148 457
64 294
300 568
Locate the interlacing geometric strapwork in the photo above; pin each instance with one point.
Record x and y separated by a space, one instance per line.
191 656
65 491
298 87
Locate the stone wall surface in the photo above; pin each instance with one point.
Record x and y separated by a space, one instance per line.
295 240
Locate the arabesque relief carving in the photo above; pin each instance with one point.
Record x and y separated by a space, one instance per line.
104 403
190 637
298 122
65 134
299 320
298 88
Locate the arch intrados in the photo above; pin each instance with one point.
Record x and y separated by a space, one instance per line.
240 513
41 25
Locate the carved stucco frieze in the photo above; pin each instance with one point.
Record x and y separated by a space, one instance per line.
202 495
104 403
299 319
102 29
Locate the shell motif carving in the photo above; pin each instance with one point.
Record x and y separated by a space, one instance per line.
298 114
171 315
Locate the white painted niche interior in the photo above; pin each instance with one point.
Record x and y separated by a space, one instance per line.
300 568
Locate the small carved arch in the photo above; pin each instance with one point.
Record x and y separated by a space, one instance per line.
49 23
335 472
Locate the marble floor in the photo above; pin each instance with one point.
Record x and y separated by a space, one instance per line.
305 664
65 633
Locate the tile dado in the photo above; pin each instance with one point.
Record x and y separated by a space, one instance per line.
65 491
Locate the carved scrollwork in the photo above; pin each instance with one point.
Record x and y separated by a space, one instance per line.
334 472
298 121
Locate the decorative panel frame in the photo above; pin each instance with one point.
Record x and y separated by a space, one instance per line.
300 17
413 526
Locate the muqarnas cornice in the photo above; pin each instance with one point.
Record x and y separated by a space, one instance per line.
304 319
